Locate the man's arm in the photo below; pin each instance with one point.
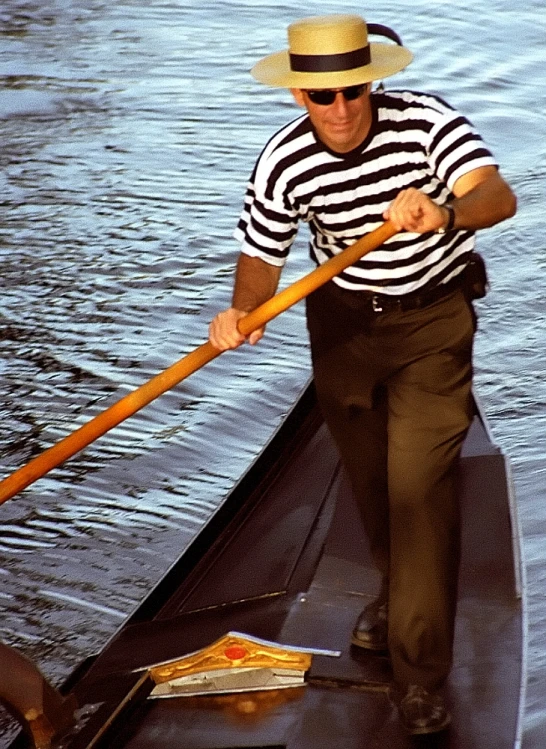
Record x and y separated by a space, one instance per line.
482 199
255 282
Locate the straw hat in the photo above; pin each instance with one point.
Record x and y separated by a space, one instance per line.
330 52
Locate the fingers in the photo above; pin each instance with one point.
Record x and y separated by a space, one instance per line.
414 211
256 336
224 333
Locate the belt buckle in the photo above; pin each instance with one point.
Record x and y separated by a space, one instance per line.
377 305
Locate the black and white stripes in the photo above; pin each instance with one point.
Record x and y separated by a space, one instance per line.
416 140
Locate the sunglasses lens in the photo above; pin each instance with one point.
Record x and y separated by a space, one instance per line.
353 92
324 97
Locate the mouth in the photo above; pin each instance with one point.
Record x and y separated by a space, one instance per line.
344 125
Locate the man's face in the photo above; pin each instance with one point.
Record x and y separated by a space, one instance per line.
341 125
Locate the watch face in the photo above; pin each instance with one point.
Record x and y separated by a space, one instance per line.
450 219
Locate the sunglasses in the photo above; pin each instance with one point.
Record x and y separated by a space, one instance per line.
326 96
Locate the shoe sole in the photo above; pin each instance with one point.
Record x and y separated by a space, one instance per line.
369 646
426 731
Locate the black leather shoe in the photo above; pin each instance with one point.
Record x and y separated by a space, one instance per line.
370 630
423 712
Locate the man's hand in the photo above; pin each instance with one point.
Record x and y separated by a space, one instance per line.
414 211
224 333
482 199
255 283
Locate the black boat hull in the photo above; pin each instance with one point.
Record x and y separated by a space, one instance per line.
285 559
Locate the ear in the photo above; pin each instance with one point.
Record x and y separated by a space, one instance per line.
297 93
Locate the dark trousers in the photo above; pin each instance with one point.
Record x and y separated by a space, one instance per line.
395 391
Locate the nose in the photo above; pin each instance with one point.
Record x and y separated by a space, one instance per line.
340 104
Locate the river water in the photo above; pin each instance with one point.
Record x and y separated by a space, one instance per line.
128 130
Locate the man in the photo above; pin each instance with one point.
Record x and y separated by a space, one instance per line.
391 337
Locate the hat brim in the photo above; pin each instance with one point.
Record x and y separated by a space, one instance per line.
386 59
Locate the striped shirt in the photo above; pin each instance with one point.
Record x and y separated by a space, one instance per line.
416 140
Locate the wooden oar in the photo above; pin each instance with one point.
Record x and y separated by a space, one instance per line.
133 402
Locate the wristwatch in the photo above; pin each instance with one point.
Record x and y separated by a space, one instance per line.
450 220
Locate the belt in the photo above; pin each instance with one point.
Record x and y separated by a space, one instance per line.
378 303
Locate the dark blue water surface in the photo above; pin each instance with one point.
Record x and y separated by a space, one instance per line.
128 130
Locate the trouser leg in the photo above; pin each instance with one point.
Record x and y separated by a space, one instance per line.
422 360
424 532
361 437
354 410
429 415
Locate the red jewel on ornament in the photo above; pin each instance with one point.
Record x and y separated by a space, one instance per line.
235 652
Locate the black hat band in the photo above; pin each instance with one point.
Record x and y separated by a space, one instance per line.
330 63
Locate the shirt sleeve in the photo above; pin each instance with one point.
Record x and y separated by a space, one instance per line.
456 148
265 230
269 220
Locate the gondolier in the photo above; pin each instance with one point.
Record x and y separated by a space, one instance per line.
391 337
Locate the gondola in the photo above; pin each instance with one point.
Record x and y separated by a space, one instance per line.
245 642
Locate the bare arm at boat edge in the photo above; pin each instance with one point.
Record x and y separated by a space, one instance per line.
482 199
255 282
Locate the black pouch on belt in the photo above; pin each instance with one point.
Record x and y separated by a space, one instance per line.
475 281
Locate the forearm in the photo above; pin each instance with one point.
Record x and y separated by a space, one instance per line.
482 198
484 204
255 282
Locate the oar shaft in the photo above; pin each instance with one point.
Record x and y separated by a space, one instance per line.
321 275
106 420
134 401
